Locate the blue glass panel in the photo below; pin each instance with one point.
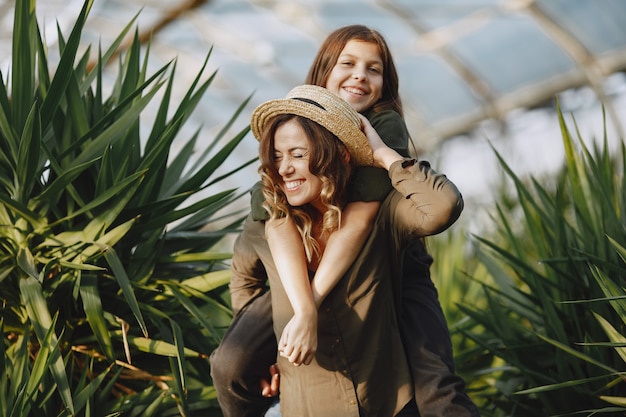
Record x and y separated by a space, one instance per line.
432 14
512 52
600 25
434 89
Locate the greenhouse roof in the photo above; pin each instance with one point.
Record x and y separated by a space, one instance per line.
459 61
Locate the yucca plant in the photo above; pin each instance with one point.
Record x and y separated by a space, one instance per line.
556 266
456 277
111 284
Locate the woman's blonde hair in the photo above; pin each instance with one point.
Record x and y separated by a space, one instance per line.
328 160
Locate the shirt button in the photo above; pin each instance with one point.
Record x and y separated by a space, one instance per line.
352 402
337 340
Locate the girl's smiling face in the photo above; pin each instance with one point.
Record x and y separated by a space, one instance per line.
357 76
292 153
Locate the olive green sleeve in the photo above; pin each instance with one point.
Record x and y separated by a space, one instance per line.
373 184
369 184
392 130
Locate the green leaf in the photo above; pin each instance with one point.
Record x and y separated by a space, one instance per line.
612 292
177 363
157 347
92 304
23 59
171 216
19 375
195 312
26 262
614 400
614 335
115 132
54 190
127 289
124 187
28 156
577 354
91 390
566 384
20 209
64 71
42 361
41 320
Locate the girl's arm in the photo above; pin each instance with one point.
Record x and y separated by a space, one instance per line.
343 246
298 341
358 216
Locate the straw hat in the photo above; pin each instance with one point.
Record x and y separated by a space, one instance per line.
323 107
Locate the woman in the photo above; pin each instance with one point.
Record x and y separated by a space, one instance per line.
359 368
355 63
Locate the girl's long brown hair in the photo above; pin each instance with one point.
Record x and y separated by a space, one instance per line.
328 160
331 48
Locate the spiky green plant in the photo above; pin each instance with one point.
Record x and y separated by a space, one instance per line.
456 277
111 289
556 270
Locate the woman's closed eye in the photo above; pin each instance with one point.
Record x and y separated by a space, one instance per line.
278 157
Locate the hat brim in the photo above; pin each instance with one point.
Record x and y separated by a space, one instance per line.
323 107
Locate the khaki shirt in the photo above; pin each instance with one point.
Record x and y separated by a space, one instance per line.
360 368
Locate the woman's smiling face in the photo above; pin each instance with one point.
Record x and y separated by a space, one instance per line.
292 153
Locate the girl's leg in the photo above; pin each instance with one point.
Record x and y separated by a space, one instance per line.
244 356
410 410
439 391
274 410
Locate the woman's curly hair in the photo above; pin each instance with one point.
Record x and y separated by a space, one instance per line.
327 160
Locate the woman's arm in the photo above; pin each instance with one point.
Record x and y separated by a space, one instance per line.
430 203
249 277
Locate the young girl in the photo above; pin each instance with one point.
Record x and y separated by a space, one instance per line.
357 75
355 63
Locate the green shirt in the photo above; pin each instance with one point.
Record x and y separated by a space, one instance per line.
370 183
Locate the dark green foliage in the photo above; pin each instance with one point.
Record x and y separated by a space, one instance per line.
110 280
553 309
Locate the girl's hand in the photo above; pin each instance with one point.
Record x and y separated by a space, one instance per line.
298 343
376 143
271 387
383 155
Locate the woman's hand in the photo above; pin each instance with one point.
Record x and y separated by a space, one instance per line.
298 343
383 155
